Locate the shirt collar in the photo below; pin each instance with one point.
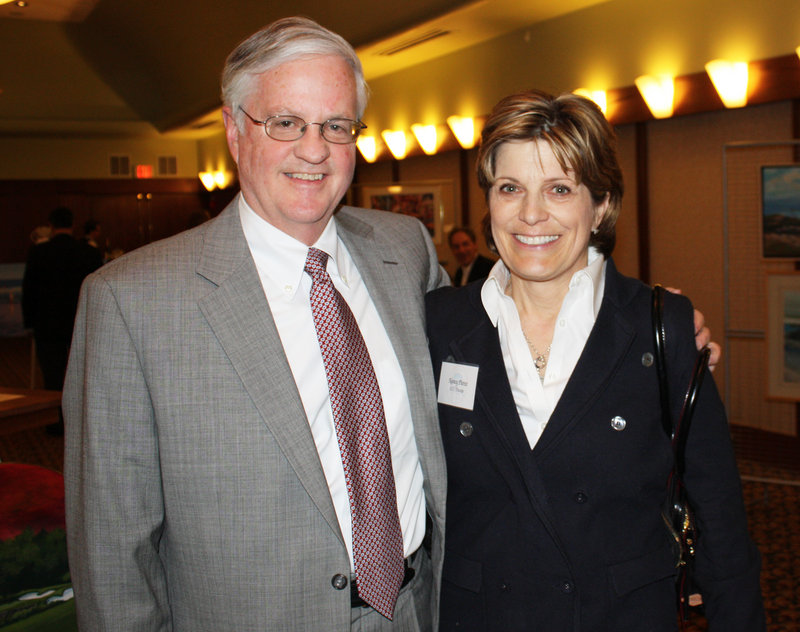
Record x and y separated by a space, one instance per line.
283 256
494 288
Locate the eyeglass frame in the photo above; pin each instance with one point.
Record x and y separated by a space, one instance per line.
359 125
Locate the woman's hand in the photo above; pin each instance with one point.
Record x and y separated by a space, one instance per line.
702 335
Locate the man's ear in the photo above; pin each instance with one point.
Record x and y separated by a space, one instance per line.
231 133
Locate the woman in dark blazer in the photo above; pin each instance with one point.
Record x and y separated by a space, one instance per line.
549 407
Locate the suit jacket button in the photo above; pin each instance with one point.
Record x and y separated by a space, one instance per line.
647 359
465 429
567 587
618 423
581 498
339 581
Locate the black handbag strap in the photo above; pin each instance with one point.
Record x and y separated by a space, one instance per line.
677 429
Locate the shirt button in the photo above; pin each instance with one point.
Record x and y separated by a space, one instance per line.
287 289
465 429
562 323
618 423
339 581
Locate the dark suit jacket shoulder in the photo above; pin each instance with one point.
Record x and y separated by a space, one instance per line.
53 275
569 534
480 270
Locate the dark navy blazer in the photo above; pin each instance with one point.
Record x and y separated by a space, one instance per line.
569 535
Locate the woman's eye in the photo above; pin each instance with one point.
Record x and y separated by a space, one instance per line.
508 188
561 189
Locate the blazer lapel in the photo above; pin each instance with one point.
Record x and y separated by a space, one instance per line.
238 312
605 349
506 441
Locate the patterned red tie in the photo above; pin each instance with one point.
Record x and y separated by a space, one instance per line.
363 441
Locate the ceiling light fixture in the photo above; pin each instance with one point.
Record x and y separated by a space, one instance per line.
730 81
214 179
207 178
368 147
396 141
658 93
598 96
426 137
463 128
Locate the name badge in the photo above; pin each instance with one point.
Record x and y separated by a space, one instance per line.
457 385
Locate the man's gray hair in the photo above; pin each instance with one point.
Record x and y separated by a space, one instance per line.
285 40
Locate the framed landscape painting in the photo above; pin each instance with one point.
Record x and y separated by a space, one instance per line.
783 336
780 208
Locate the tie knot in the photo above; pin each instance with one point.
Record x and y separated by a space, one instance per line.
315 261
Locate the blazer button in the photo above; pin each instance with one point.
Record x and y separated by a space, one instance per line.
618 423
339 581
465 429
581 498
647 359
567 587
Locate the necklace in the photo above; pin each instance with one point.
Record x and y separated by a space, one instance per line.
540 359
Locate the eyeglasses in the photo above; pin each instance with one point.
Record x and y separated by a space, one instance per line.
285 127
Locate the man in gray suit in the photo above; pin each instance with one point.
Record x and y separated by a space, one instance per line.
205 485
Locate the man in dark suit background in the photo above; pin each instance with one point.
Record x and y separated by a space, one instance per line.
471 265
91 238
53 275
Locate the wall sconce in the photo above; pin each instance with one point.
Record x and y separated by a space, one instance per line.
396 141
730 81
426 137
463 127
797 50
658 93
598 96
207 178
368 147
213 179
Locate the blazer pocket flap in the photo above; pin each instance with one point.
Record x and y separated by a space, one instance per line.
632 574
462 572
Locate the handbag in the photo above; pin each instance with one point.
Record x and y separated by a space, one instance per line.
677 511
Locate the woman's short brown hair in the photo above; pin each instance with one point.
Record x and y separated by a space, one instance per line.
581 138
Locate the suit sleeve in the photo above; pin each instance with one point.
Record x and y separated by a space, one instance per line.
437 276
114 500
727 563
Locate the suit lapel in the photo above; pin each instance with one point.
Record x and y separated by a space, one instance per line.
238 312
602 355
504 439
393 290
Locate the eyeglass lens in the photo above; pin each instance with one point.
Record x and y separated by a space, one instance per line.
292 127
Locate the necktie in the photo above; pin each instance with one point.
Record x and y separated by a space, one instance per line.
363 441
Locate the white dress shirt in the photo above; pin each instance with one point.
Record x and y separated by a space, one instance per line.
280 260
465 270
536 399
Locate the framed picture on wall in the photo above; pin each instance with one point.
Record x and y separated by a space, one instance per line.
780 209
783 336
423 201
